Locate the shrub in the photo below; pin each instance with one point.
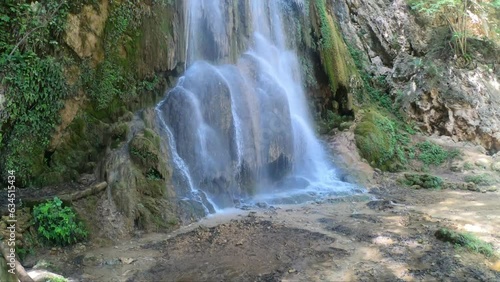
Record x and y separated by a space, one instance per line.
466 240
431 153
57 224
425 181
480 179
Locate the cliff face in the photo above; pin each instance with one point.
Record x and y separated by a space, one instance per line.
439 91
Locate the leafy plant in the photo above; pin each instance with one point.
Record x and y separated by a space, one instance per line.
455 16
374 86
431 153
58 224
32 79
426 181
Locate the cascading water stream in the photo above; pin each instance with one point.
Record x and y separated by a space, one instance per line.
242 132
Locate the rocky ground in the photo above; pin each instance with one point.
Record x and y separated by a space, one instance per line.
387 234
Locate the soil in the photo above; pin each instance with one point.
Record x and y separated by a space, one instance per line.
386 234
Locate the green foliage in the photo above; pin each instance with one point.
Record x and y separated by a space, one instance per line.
58 224
454 14
426 181
114 78
430 153
468 166
374 86
332 120
467 240
480 179
380 141
33 80
57 279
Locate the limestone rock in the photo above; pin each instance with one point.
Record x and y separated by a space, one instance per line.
85 29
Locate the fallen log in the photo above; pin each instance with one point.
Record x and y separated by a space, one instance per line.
67 198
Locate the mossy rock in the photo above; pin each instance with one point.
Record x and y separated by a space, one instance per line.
144 149
483 179
376 140
426 181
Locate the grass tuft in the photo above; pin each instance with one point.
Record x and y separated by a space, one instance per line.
467 240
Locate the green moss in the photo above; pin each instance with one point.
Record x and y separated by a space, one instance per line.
466 240
426 181
480 179
119 133
335 56
376 140
144 150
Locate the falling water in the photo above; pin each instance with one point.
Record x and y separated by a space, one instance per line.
242 132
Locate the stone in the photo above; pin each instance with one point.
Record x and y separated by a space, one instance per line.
262 205
493 188
42 264
495 166
90 260
482 162
472 187
127 260
112 261
456 166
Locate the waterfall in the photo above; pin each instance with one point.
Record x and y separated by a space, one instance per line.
242 131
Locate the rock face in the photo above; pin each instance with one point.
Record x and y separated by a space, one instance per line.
85 30
441 94
464 104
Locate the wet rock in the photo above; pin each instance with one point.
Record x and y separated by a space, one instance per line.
380 205
262 205
294 182
90 260
246 207
493 188
112 261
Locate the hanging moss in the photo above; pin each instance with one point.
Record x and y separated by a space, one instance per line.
335 56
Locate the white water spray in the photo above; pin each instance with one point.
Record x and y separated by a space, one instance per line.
243 131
